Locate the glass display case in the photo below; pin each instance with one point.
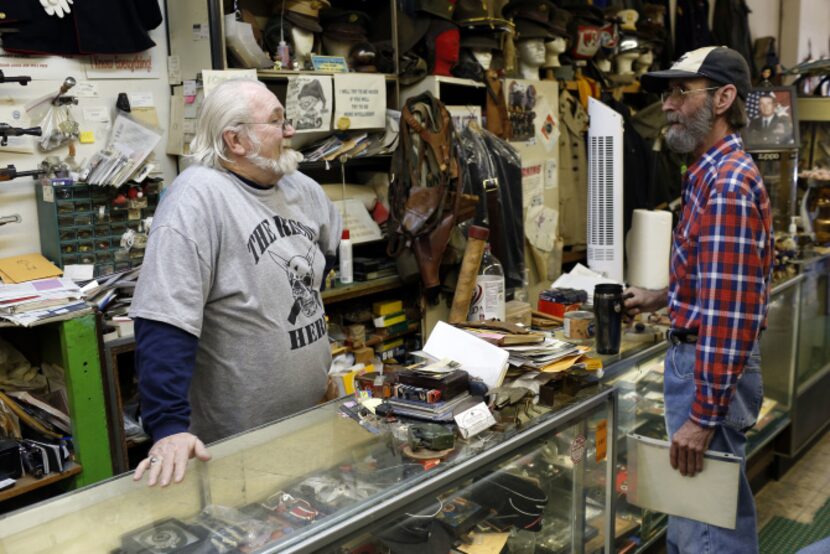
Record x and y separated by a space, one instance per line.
780 173
814 323
334 480
641 408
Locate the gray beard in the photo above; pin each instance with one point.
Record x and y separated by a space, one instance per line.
692 130
286 164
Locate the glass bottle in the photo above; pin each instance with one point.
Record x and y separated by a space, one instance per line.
488 298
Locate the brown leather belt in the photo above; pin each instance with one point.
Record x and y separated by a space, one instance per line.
681 336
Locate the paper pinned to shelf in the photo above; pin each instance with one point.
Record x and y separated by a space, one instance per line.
477 357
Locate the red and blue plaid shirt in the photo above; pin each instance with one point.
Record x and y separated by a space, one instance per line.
720 270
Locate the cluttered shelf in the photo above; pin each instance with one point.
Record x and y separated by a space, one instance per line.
274 75
380 160
355 290
28 483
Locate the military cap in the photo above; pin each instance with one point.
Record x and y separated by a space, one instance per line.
629 19
472 9
439 8
479 39
475 14
527 29
346 25
559 20
310 8
533 10
304 21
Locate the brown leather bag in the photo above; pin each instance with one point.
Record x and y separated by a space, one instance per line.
425 192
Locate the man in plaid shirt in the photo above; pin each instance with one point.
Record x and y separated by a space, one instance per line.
719 287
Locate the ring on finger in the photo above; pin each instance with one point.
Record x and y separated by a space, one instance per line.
154 460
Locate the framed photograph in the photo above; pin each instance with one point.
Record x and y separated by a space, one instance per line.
771 119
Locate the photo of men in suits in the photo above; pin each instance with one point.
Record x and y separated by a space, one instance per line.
772 123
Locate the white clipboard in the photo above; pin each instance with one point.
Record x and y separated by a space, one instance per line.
711 496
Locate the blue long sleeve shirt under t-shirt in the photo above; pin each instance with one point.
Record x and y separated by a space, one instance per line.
165 358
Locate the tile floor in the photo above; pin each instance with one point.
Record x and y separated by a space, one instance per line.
801 492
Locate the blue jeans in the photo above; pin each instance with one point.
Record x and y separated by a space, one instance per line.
686 535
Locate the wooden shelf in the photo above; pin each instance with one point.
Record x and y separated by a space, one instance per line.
28 484
356 290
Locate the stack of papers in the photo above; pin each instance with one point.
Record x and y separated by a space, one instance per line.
544 356
38 301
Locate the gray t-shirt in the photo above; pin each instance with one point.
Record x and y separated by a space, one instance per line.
241 269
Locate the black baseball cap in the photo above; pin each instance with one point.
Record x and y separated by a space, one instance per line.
717 63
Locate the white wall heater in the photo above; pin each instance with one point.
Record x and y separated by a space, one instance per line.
605 190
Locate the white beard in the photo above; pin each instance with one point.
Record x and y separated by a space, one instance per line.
286 164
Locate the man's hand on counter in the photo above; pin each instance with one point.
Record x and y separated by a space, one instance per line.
168 458
688 445
637 300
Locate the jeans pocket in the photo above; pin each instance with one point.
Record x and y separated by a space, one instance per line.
682 358
746 402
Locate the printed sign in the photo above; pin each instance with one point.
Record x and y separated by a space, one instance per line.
360 101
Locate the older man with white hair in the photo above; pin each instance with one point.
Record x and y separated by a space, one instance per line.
230 329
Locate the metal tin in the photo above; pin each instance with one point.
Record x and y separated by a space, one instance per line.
579 325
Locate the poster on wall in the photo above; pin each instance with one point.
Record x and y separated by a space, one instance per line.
308 103
359 101
521 108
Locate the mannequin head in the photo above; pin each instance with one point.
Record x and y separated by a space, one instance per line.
303 42
552 50
447 45
644 62
624 61
531 57
484 57
336 47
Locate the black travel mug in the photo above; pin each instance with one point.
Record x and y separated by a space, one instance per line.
608 312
